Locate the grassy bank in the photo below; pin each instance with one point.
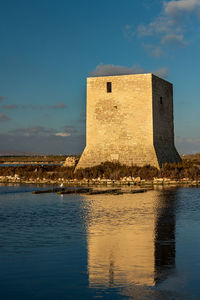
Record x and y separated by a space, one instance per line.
107 170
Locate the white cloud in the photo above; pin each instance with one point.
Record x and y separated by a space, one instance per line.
161 25
63 134
174 8
111 70
33 131
170 26
43 131
173 38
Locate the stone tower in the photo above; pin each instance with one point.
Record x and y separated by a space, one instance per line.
129 120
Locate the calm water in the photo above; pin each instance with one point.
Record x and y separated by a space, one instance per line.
140 246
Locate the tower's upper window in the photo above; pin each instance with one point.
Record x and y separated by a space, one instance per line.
109 87
161 100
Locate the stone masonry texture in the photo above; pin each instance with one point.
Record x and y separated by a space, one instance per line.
132 124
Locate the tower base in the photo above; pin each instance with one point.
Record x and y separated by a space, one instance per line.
155 156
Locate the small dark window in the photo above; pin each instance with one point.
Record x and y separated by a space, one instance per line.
161 100
109 87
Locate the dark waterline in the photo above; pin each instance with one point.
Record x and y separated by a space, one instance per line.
141 246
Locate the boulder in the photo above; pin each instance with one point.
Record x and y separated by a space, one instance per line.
137 179
70 161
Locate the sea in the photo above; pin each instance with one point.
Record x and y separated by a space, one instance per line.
131 246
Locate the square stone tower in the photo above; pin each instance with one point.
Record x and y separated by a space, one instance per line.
130 121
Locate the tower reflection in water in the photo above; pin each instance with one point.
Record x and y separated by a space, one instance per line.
131 238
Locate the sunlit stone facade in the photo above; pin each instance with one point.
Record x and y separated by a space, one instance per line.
129 120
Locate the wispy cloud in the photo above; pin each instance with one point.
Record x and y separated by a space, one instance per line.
163 27
170 26
43 131
58 105
111 70
4 118
173 39
63 134
154 50
175 8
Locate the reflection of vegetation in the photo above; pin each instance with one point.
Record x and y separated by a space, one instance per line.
106 170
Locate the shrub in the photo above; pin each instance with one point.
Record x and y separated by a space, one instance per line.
108 170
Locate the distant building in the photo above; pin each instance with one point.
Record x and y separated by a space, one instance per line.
130 121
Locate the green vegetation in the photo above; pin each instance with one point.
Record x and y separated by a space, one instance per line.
107 170
116 171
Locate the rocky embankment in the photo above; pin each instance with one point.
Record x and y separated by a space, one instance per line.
107 173
125 181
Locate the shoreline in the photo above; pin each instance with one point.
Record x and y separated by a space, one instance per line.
106 174
104 182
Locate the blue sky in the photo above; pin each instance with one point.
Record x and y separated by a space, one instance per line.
48 48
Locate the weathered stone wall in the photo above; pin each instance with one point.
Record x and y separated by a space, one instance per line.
120 124
163 121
